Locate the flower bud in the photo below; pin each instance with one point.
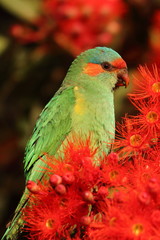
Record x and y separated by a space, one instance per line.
68 178
144 198
55 180
85 220
60 189
88 196
17 30
33 187
154 185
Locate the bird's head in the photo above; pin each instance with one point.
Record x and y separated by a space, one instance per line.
103 65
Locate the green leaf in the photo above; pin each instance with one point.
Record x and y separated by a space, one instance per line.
4 42
24 9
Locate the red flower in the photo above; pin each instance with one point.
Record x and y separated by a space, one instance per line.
130 139
113 172
75 25
130 214
43 219
54 215
149 118
63 208
148 84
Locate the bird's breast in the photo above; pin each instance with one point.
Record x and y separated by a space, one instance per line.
93 115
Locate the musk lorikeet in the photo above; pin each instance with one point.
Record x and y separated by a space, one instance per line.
82 106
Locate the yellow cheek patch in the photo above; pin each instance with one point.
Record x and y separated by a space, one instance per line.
93 69
79 107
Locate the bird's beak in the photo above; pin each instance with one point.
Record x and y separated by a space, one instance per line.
122 78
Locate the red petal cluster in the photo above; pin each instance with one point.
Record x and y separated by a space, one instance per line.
75 25
119 199
137 134
147 85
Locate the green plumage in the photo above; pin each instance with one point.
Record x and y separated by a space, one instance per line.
52 127
82 106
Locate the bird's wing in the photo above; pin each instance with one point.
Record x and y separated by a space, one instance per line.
52 127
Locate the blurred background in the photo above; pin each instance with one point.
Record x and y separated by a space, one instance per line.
38 41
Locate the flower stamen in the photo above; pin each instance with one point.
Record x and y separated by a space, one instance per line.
156 87
49 223
137 229
152 117
136 140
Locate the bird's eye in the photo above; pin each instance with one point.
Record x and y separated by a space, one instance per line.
106 66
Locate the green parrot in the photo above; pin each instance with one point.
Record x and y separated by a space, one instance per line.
83 106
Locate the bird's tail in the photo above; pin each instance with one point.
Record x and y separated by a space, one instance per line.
16 224
14 229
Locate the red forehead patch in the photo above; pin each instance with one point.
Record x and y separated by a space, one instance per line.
119 63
